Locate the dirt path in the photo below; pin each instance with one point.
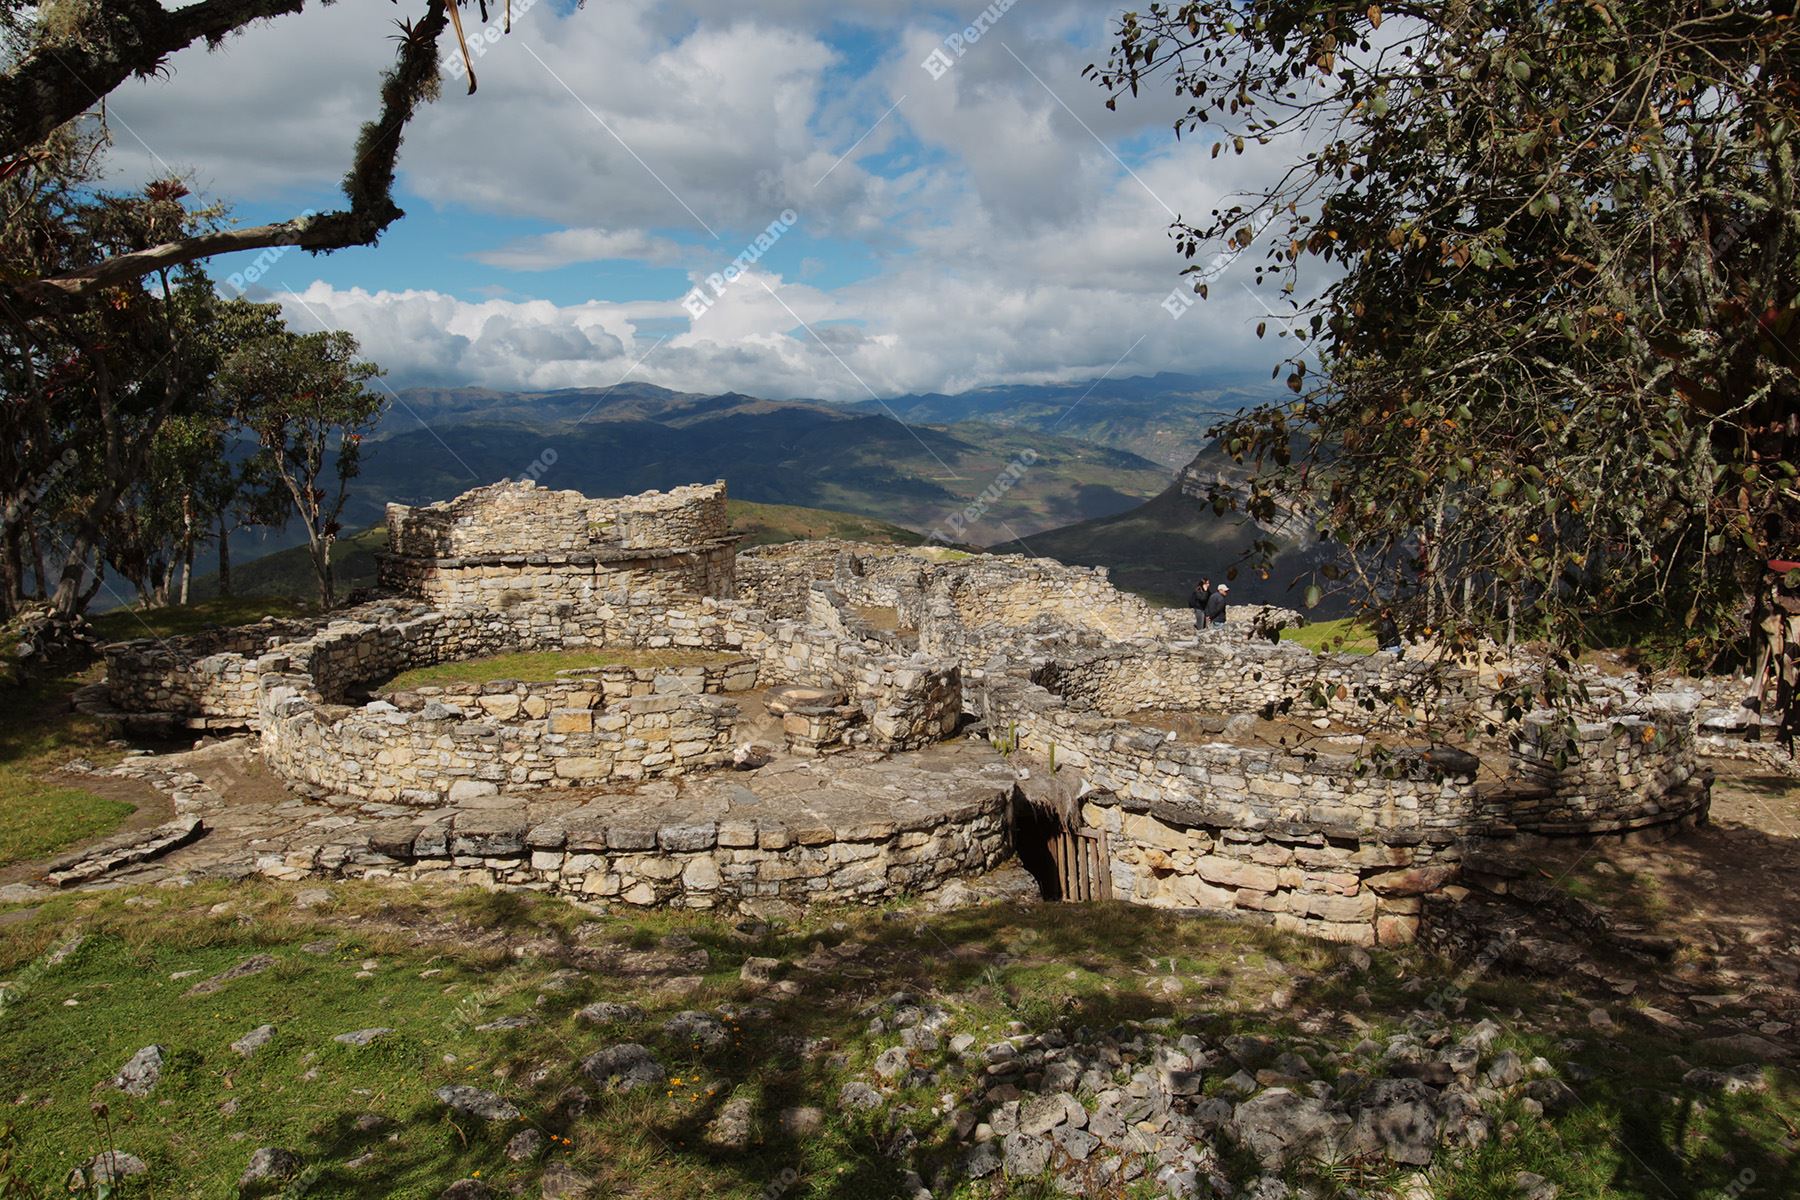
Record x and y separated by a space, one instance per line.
149 808
1725 895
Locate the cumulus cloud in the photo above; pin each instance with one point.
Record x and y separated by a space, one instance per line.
1002 238
546 251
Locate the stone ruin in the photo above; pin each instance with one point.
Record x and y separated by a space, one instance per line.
832 721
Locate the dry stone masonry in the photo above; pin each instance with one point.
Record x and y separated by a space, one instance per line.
796 750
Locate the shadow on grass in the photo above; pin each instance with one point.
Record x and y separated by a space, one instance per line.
1637 1130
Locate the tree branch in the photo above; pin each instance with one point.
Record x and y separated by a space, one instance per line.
368 185
61 79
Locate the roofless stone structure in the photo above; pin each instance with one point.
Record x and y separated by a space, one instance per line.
849 722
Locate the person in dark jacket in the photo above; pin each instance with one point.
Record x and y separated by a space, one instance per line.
1197 600
1387 632
1214 612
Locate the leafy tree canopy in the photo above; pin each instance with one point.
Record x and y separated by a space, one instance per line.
1539 264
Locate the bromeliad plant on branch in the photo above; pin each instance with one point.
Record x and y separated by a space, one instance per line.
61 59
1549 367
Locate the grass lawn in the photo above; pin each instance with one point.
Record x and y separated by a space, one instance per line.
1342 636
128 624
435 965
39 732
541 666
40 815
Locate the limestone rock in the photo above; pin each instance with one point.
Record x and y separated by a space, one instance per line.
255 1040
142 1073
1281 1126
608 1012
858 1095
731 1129
1399 1119
560 1181
256 964
623 1068
467 1189
524 1145
476 1103
269 1167
108 1167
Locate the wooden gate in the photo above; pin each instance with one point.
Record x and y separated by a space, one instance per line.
1082 864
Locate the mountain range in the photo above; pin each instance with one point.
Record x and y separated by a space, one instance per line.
1108 472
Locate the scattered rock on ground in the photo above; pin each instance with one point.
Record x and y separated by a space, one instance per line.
560 1181
623 1068
106 1168
524 1144
607 1012
256 964
731 1129
255 1040
476 1103
138 1076
467 1189
857 1094
269 1167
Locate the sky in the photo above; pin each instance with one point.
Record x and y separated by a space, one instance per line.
915 209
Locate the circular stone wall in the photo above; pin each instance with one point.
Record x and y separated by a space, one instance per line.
457 742
874 829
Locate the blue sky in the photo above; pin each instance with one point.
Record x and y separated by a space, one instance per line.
984 221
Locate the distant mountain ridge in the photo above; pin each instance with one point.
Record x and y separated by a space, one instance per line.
983 467
1164 545
1162 417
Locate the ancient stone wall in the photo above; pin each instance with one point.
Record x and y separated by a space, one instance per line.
513 543
1363 890
502 581
504 518
1339 835
1013 591
1612 776
1224 677
736 862
519 737
693 515
207 679
1230 785
519 519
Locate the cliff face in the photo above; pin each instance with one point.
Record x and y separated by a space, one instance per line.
1161 547
1212 470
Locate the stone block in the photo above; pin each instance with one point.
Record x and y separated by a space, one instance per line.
571 720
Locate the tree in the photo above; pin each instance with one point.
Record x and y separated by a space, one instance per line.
60 59
302 396
1550 368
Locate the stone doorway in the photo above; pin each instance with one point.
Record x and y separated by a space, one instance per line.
1069 860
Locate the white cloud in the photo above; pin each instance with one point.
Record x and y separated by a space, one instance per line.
547 251
1008 244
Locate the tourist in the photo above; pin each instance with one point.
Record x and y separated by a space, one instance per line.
1214 612
1387 633
1198 597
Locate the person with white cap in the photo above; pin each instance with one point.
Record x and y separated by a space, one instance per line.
1214 614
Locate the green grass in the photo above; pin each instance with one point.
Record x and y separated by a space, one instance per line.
1342 636
289 573
542 666
175 620
440 962
771 524
38 733
38 819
